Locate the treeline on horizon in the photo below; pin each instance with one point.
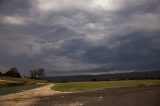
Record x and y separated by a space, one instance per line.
13 72
40 72
107 77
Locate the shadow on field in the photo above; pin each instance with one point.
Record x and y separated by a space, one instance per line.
135 96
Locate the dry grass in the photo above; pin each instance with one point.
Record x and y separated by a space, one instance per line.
9 81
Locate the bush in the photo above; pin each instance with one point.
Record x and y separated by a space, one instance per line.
94 79
1 74
15 84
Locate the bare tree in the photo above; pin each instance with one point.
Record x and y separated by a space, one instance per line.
36 74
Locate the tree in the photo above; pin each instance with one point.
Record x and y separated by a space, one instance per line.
1 74
13 72
41 72
94 79
36 74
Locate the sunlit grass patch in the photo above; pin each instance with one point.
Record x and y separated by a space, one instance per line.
85 86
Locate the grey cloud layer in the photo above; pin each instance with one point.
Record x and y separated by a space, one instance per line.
79 36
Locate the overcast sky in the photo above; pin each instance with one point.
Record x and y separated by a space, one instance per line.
69 37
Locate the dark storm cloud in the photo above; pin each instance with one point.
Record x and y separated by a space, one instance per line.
13 7
147 6
135 47
80 37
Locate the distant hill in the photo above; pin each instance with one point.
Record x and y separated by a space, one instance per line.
106 77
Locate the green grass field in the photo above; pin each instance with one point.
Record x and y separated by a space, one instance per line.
86 86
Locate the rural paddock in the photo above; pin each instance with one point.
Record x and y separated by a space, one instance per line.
44 96
134 96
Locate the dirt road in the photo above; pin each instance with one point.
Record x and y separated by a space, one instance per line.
137 96
28 97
